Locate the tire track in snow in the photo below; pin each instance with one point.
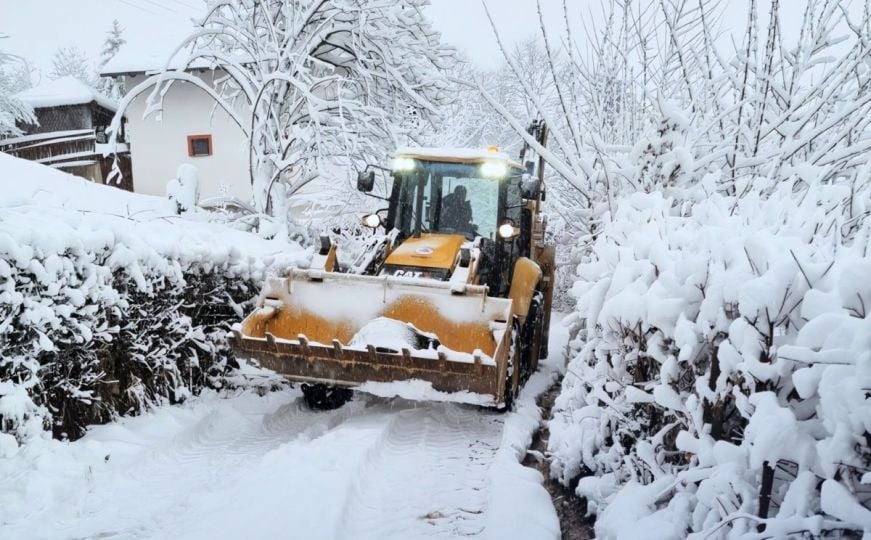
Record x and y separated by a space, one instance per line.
425 477
210 453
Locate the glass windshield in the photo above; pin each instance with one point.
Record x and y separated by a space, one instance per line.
450 198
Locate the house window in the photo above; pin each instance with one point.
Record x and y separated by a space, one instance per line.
199 145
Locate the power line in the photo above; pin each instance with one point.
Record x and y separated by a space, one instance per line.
185 4
154 3
129 3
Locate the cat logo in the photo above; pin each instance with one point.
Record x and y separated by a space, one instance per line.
400 272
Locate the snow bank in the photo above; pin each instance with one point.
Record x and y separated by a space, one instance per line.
109 301
514 485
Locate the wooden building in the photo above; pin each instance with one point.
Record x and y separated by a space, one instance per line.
71 132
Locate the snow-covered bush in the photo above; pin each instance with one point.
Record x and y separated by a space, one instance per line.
87 342
109 302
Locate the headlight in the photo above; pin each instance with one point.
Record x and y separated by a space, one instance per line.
401 164
372 220
507 230
494 169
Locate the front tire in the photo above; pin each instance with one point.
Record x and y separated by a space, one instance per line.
515 369
320 397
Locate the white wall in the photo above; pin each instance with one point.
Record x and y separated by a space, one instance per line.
159 146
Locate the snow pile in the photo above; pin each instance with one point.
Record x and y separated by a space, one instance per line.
110 302
184 189
720 384
386 333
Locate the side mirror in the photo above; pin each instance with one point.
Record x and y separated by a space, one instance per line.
366 181
530 187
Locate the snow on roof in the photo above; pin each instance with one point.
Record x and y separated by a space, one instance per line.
149 52
149 59
152 32
64 91
455 154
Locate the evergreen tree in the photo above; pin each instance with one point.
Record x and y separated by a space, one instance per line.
114 88
114 41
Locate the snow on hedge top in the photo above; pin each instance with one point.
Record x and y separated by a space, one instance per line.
64 91
48 211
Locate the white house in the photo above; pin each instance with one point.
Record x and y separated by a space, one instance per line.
190 129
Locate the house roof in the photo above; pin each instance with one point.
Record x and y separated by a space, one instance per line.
148 59
152 35
64 91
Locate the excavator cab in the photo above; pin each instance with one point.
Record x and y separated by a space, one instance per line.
453 294
444 211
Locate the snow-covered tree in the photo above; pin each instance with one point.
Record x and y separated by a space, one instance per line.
12 110
312 80
468 118
114 41
72 61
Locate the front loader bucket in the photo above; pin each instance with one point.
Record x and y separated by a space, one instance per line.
306 323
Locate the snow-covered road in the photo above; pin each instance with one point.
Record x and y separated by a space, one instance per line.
266 467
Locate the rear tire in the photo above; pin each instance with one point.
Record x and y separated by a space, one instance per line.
320 397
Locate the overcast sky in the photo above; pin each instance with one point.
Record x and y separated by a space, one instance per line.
36 35
38 27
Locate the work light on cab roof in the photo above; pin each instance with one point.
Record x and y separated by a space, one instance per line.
494 169
403 164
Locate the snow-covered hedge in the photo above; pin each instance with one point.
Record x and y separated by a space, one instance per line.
720 382
110 302
722 376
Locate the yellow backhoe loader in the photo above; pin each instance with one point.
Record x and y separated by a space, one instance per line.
454 297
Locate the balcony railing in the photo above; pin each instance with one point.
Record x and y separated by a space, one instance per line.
59 149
